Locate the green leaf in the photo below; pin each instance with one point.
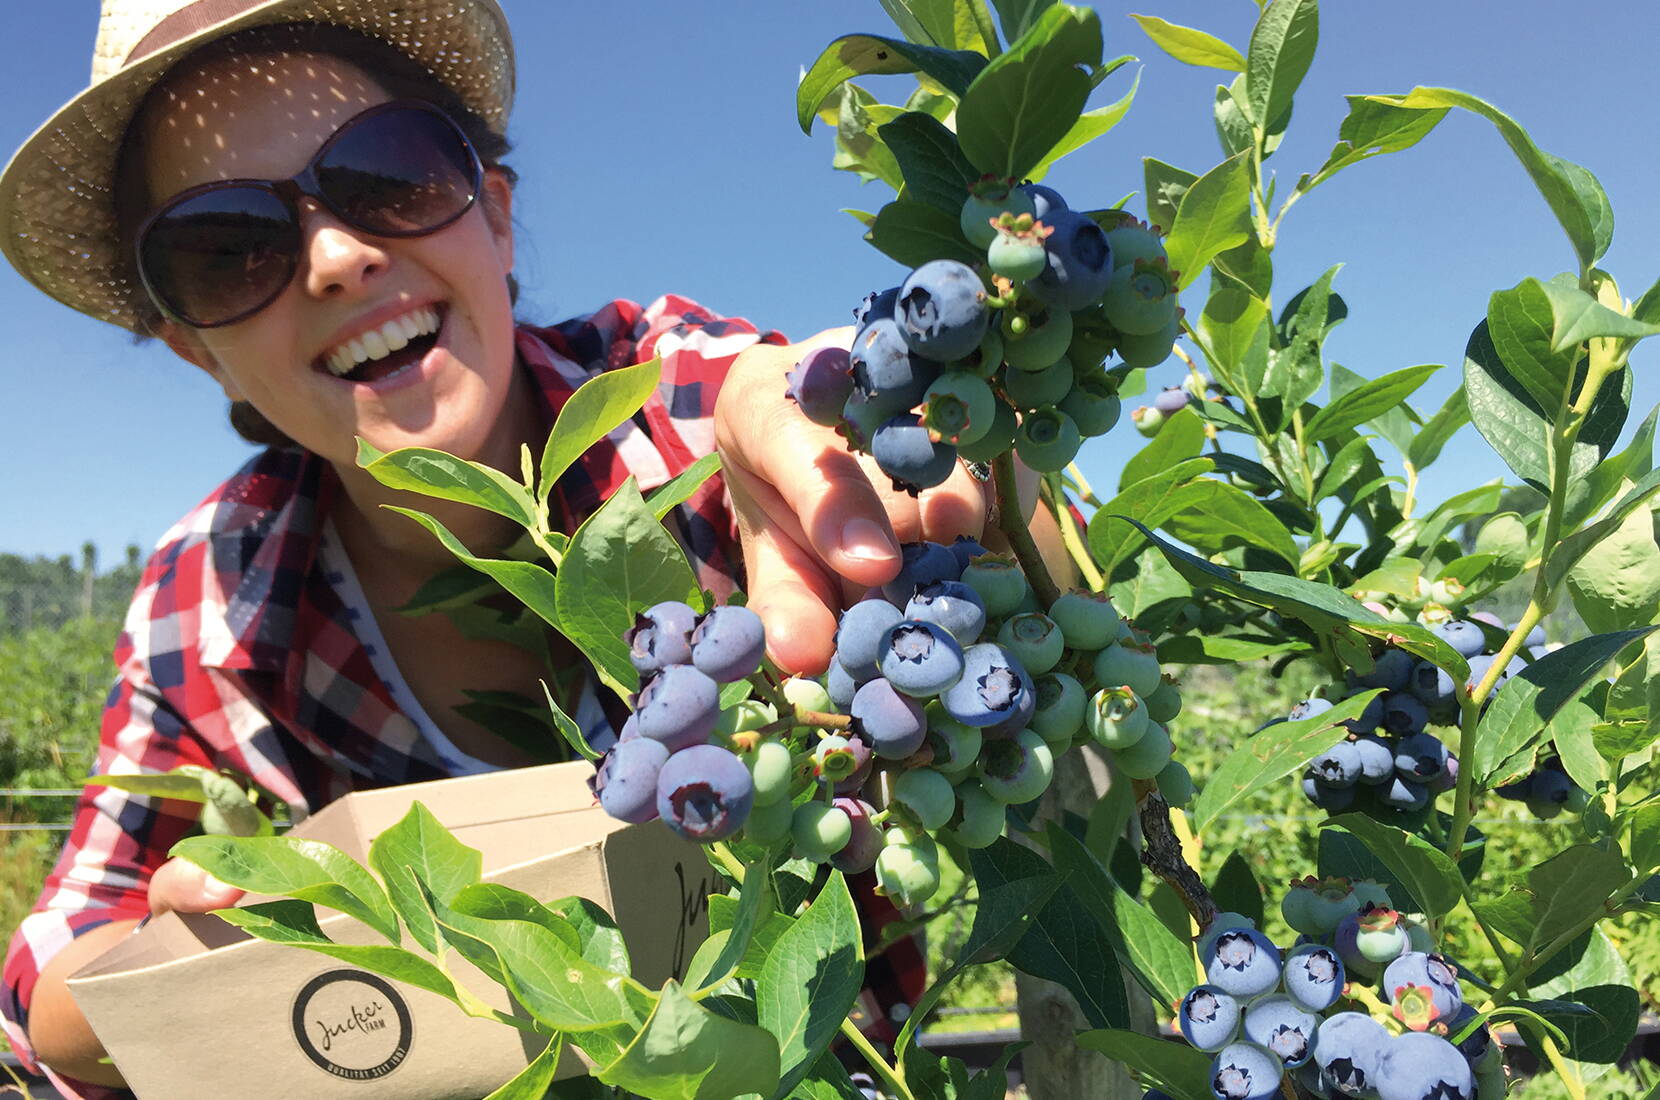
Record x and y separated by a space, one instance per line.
1520 323
597 407
1592 1002
1573 193
1556 896
1578 544
494 901
949 24
1606 479
620 561
1349 460
419 845
286 866
1161 961
1426 445
1190 46
858 148
1233 125
1431 877
182 784
1064 945
534 1081
1520 711
1143 582
935 170
294 923
1182 437
437 474
1174 1068
1367 401
601 942
755 904
1370 129
1165 184
1270 755
679 489
810 981
1235 889
1616 585
1235 329
866 54
1151 500
1019 16
567 728
828 1081
686 1052
530 584
1027 99
1090 125
1577 317
1214 216
914 233
1281 50
1218 515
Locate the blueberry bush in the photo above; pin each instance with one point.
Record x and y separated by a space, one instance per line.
1256 525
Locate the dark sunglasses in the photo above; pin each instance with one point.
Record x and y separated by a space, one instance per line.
220 252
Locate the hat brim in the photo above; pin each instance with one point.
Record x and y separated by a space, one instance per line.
57 205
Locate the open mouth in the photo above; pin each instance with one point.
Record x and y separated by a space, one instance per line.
392 348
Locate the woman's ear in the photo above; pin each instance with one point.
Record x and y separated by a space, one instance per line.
497 201
189 347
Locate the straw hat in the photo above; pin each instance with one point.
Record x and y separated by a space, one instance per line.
57 207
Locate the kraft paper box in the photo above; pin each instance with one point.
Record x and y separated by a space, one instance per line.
190 1007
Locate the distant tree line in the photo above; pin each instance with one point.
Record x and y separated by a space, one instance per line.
42 592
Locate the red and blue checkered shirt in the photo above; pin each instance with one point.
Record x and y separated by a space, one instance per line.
238 653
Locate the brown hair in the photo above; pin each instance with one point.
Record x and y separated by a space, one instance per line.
399 76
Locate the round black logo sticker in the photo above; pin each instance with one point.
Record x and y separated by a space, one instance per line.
353 1024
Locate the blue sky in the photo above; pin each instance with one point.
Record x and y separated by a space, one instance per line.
659 153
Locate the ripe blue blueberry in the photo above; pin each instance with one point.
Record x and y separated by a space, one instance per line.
1402 794
704 793
1475 1045
1391 671
1420 757
1283 1026
626 782
1045 200
893 724
1465 637
906 451
952 605
1349 1050
1333 800
1079 262
921 563
1243 962
1308 708
820 384
1431 686
1209 1018
1338 766
885 370
1432 972
942 310
679 707
1377 759
877 305
661 636
1370 718
1313 976
965 550
921 659
839 684
1245 1071
728 643
1404 714
1418 1066
992 689
859 636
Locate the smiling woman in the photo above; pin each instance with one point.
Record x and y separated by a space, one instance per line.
306 200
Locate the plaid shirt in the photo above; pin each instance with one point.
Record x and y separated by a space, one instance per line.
238 653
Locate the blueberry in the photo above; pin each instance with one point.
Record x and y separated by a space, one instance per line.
661 636
965 550
1171 400
1166 701
1243 962
1308 708
878 305
1426 971
835 759
1423 1067
771 767
1132 240
768 825
999 438
955 746
942 310
1465 637
820 384
1373 935
1152 349
626 782
1116 718
1377 759
864 843
927 794
704 793
863 761
885 370
908 868
1209 1018
859 636
1079 264
998 581
1535 638
1403 795
1018 769
1391 671
1060 708
1404 714
728 643
1333 800
1093 407
1245 1071
1283 1026
820 831
986 201
993 687
1338 766
1478 672
959 408
1047 440
1370 718
839 684
1017 250
1176 784
1035 641
1148 756
1033 389
1041 343
980 817
952 605
1431 686
1225 921
907 452
679 707
893 724
1313 976
1420 757
1316 906
1045 200
1476 1044
1348 1049
861 416
922 563
1131 664
920 658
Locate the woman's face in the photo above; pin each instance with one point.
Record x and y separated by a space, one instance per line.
264 117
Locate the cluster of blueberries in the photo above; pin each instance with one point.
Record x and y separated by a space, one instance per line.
1263 1012
965 362
949 697
1389 764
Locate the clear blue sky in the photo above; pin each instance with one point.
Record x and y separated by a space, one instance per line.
659 152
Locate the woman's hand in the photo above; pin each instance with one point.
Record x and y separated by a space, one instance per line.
819 524
182 887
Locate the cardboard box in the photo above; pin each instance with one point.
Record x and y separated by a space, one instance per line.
190 1007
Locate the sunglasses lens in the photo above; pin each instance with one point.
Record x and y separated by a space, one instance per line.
399 173
220 254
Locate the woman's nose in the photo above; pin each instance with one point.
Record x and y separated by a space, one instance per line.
339 261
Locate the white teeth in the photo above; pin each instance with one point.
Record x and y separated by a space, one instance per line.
379 343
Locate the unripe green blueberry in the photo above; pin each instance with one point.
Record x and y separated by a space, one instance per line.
1368 892
1165 702
805 694
908 870
982 816
772 766
1061 704
1418 937
1316 906
1035 641
1033 389
956 746
769 824
983 361
1175 784
997 440
1147 420
1126 662
1152 349
1016 255
746 715
927 794
998 581
978 212
1115 718
1044 338
1017 769
1148 756
1141 297
820 830
1093 407
1047 440
1133 241
958 408
834 759
1087 619
1380 937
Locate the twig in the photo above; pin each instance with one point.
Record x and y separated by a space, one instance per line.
871 1055
1161 853
1011 520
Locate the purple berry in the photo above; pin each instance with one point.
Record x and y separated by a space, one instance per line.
893 724
678 707
661 636
1079 262
820 384
1209 1018
952 605
626 782
859 636
921 659
921 563
704 793
992 689
1172 399
907 453
1425 971
1245 1071
729 643
859 854
942 310
1466 638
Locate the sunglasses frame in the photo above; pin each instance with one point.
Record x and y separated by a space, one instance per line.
289 191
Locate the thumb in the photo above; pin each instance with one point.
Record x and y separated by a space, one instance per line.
184 887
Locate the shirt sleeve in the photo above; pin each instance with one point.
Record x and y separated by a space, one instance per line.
115 843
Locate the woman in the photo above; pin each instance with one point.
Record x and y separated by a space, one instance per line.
361 286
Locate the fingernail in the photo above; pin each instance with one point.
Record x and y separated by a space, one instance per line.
864 539
215 886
